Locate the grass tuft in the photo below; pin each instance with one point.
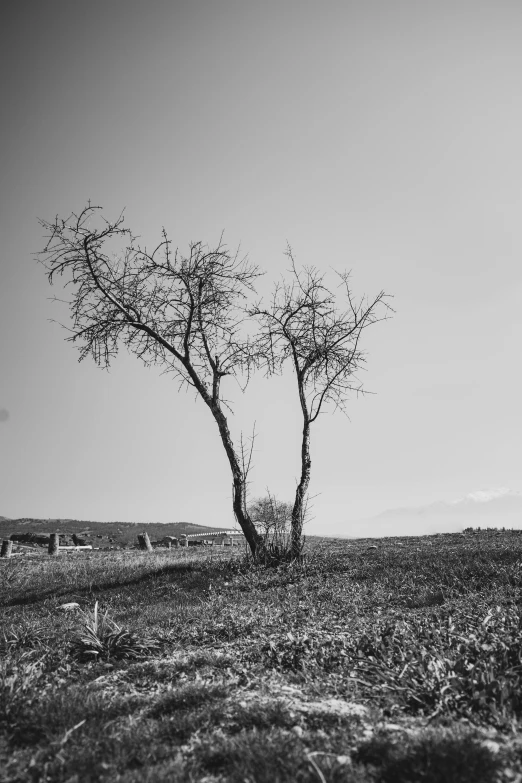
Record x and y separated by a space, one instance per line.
101 639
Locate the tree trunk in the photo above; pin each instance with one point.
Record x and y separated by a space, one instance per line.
254 539
300 493
7 548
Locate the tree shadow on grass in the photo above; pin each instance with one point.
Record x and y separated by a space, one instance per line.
187 572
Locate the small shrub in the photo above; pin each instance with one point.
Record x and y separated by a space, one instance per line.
272 519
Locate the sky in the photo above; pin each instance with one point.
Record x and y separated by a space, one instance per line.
378 136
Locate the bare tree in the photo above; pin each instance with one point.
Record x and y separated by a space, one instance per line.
183 313
303 325
272 517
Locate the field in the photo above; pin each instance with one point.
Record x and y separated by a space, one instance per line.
391 660
99 534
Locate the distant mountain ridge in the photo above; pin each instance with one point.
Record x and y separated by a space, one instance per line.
495 508
482 503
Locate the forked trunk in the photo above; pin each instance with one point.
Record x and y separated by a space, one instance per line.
300 493
253 538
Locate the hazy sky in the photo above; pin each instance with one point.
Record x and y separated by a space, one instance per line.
382 137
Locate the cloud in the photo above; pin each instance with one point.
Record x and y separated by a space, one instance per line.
4 415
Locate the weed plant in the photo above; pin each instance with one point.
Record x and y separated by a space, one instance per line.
101 639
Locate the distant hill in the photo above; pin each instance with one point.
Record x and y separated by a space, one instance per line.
495 508
487 504
100 533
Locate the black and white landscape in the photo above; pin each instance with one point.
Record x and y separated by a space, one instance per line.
223 224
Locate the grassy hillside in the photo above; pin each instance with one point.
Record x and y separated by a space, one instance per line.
119 532
392 661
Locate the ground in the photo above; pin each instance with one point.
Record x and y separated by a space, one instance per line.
388 660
